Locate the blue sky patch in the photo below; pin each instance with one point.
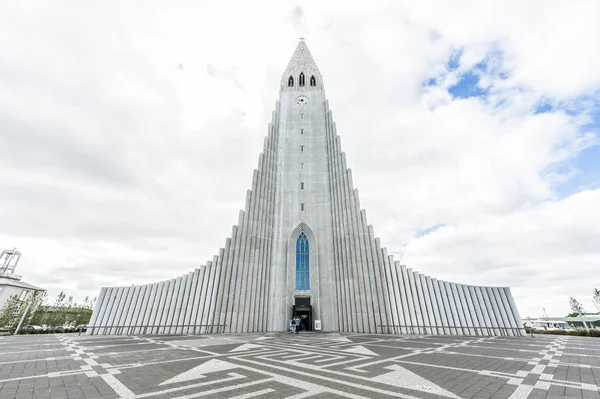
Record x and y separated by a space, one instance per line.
428 230
587 164
467 86
542 108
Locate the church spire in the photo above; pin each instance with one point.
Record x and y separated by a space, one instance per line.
302 71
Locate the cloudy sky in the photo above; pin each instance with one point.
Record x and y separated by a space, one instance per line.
129 131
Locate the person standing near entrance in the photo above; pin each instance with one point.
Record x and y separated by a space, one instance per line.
293 330
297 320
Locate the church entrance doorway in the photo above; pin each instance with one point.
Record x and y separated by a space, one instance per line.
303 309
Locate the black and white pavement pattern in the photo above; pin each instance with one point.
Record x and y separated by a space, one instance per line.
306 365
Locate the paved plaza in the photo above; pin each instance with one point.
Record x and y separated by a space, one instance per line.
307 365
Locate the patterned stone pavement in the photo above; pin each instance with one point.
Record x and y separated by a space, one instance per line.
315 365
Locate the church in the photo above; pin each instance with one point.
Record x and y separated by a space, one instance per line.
302 246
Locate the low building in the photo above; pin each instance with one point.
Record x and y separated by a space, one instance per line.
563 323
11 284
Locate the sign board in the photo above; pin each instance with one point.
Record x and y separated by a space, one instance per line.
317 325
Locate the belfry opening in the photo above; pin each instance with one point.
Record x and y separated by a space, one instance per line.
303 246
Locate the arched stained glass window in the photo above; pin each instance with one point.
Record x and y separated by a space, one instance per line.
302 266
301 79
313 81
291 82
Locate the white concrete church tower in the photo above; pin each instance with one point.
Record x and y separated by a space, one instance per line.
302 246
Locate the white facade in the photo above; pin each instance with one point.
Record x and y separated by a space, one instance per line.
11 285
302 190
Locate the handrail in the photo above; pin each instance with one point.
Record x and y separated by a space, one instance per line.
478 329
120 328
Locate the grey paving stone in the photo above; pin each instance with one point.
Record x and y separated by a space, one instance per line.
282 365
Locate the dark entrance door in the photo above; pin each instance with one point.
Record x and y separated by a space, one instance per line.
303 309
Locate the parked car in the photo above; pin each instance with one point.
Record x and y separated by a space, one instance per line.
33 327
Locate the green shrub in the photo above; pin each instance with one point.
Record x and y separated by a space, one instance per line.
580 332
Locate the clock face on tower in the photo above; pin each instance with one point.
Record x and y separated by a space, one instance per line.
301 100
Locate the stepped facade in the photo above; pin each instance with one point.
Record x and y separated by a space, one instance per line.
302 246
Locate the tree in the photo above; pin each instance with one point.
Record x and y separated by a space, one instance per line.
578 308
597 299
63 311
9 311
574 314
36 312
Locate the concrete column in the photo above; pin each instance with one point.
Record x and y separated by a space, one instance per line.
477 315
458 321
508 311
356 300
118 313
358 260
515 311
425 311
484 311
113 302
429 314
138 316
181 320
263 324
505 321
460 309
213 280
346 298
492 311
447 307
144 318
416 303
246 260
387 299
204 297
337 262
395 306
467 308
161 292
223 293
114 319
411 303
165 305
249 278
271 169
197 308
217 292
177 314
175 305
235 251
380 281
441 306
97 313
237 270
188 320
366 265
401 299
258 247
106 306
259 254
178 305
434 307
133 310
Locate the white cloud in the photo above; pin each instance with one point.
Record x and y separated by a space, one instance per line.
117 166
